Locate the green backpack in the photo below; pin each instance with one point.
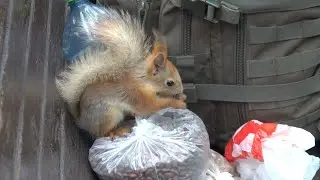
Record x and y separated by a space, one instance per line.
243 59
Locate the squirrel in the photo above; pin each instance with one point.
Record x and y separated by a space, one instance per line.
126 78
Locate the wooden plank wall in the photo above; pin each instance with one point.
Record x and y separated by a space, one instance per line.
37 138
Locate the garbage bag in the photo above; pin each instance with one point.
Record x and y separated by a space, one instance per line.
170 144
268 151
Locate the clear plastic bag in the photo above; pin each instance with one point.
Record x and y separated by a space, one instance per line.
77 35
220 169
171 144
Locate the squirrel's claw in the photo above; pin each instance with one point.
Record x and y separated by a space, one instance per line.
121 132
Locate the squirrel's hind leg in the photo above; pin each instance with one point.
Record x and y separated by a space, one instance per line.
99 115
110 126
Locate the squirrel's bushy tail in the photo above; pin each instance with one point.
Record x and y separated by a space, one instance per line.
126 46
123 35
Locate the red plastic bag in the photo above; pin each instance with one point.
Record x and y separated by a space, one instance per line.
265 151
249 137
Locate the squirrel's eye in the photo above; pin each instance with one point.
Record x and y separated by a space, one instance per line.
170 83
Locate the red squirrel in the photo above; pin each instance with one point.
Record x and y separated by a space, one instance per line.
104 86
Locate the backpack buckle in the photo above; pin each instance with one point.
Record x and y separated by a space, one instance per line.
213 10
211 13
206 9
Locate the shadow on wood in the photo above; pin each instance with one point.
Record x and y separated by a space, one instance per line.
38 139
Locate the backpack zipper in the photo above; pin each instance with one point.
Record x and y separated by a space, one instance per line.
141 8
240 64
186 29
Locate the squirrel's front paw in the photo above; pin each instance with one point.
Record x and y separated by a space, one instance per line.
179 104
182 97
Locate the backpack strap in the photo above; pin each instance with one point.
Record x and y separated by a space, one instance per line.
250 93
302 29
283 65
186 62
254 93
183 61
258 68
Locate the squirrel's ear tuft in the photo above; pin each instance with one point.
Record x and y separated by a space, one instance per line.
159 45
159 56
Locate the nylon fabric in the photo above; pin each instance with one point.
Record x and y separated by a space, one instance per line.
283 65
258 93
257 63
302 29
258 6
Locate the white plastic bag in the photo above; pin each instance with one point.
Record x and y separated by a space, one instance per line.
269 151
171 144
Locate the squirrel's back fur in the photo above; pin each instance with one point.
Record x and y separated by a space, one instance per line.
127 47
